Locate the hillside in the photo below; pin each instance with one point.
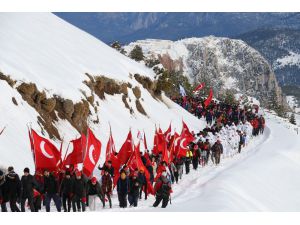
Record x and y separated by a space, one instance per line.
61 80
223 63
281 48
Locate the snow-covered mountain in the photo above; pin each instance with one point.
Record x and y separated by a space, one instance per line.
281 47
221 62
131 26
61 80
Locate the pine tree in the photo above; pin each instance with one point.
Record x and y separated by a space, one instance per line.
292 119
116 45
137 53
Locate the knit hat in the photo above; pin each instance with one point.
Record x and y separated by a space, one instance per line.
26 170
94 180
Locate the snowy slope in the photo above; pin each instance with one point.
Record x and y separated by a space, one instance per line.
264 177
43 49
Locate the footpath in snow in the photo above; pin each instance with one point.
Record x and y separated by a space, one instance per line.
264 177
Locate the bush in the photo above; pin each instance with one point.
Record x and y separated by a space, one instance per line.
137 53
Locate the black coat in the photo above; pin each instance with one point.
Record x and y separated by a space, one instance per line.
110 170
134 186
79 188
123 186
94 189
3 190
66 186
13 184
50 185
28 184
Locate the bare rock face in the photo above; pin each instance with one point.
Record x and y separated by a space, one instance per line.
48 104
221 63
68 107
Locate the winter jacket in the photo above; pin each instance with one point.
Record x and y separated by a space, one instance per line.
106 183
134 186
94 189
163 187
217 148
13 184
79 188
50 185
142 178
28 184
123 186
66 186
3 190
110 170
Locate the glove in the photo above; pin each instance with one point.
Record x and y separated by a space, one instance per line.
83 199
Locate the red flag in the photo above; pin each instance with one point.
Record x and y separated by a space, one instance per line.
110 147
161 143
172 148
76 156
116 164
92 154
136 162
46 154
155 145
186 131
199 87
209 98
168 134
126 149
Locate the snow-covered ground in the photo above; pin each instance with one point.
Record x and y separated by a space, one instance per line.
264 177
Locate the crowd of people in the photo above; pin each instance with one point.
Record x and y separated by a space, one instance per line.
229 129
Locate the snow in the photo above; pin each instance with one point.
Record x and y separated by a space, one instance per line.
43 49
264 177
293 59
39 46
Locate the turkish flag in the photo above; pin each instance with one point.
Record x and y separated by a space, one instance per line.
46 154
168 134
92 154
199 87
76 156
110 148
209 98
186 131
126 149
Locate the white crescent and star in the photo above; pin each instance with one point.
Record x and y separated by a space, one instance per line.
42 147
91 149
176 141
181 143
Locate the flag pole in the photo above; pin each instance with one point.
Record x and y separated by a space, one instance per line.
66 152
3 129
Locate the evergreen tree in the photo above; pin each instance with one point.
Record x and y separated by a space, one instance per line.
292 119
116 45
137 53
